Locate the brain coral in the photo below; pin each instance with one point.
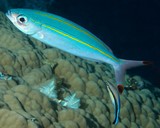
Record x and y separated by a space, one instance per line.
31 64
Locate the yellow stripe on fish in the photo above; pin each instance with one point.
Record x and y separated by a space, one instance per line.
71 25
75 39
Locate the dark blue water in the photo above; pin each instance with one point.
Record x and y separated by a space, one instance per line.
131 28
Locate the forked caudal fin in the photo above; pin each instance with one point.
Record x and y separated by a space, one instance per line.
121 69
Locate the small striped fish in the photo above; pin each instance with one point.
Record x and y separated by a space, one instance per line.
63 34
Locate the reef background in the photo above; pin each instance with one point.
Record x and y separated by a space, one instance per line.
125 27
32 64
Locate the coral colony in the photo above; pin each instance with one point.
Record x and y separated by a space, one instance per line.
74 39
23 104
49 90
69 102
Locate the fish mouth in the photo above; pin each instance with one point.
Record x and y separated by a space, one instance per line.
11 16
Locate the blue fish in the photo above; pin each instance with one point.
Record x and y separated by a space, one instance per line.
63 34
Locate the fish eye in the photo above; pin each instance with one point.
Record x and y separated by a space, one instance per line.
22 19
